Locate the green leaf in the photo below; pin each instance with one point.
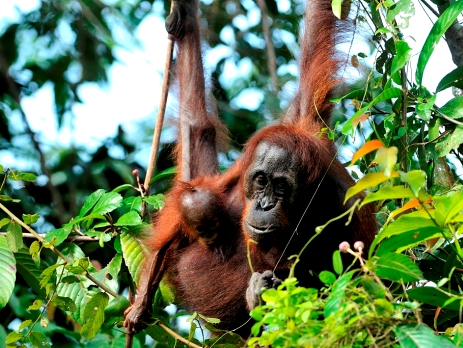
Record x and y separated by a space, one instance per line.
433 296
107 203
28 177
402 57
440 27
47 274
94 315
336 6
29 271
333 304
13 337
24 324
453 78
123 188
78 266
38 339
30 219
415 178
405 223
114 312
447 207
164 174
114 266
76 291
337 262
453 108
400 13
385 95
327 277
59 235
359 94
396 267
65 303
4 221
5 198
14 236
387 192
133 255
90 202
408 239
7 272
449 142
36 305
369 180
157 201
129 219
419 336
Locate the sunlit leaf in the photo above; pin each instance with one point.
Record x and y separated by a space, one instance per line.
7 272
30 219
134 256
14 236
107 203
387 159
359 94
94 315
453 108
336 6
90 202
415 178
388 192
366 148
444 21
406 223
369 180
400 13
433 296
132 218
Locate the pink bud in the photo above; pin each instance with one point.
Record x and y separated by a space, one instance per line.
135 172
359 245
344 246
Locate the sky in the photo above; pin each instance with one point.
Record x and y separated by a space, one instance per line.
134 86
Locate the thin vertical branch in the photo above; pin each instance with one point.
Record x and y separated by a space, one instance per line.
271 59
160 116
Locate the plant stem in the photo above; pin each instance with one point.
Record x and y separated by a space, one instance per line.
177 336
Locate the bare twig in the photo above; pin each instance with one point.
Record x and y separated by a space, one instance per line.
69 238
160 116
271 60
177 336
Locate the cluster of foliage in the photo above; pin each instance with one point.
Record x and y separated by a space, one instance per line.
65 287
385 302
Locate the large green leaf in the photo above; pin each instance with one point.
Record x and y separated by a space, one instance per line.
59 235
14 236
132 218
388 192
7 272
107 203
413 222
29 271
453 108
440 27
447 207
453 78
90 202
75 291
396 267
433 296
419 336
408 239
134 255
94 315
369 180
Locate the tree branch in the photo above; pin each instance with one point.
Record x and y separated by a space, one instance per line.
271 59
